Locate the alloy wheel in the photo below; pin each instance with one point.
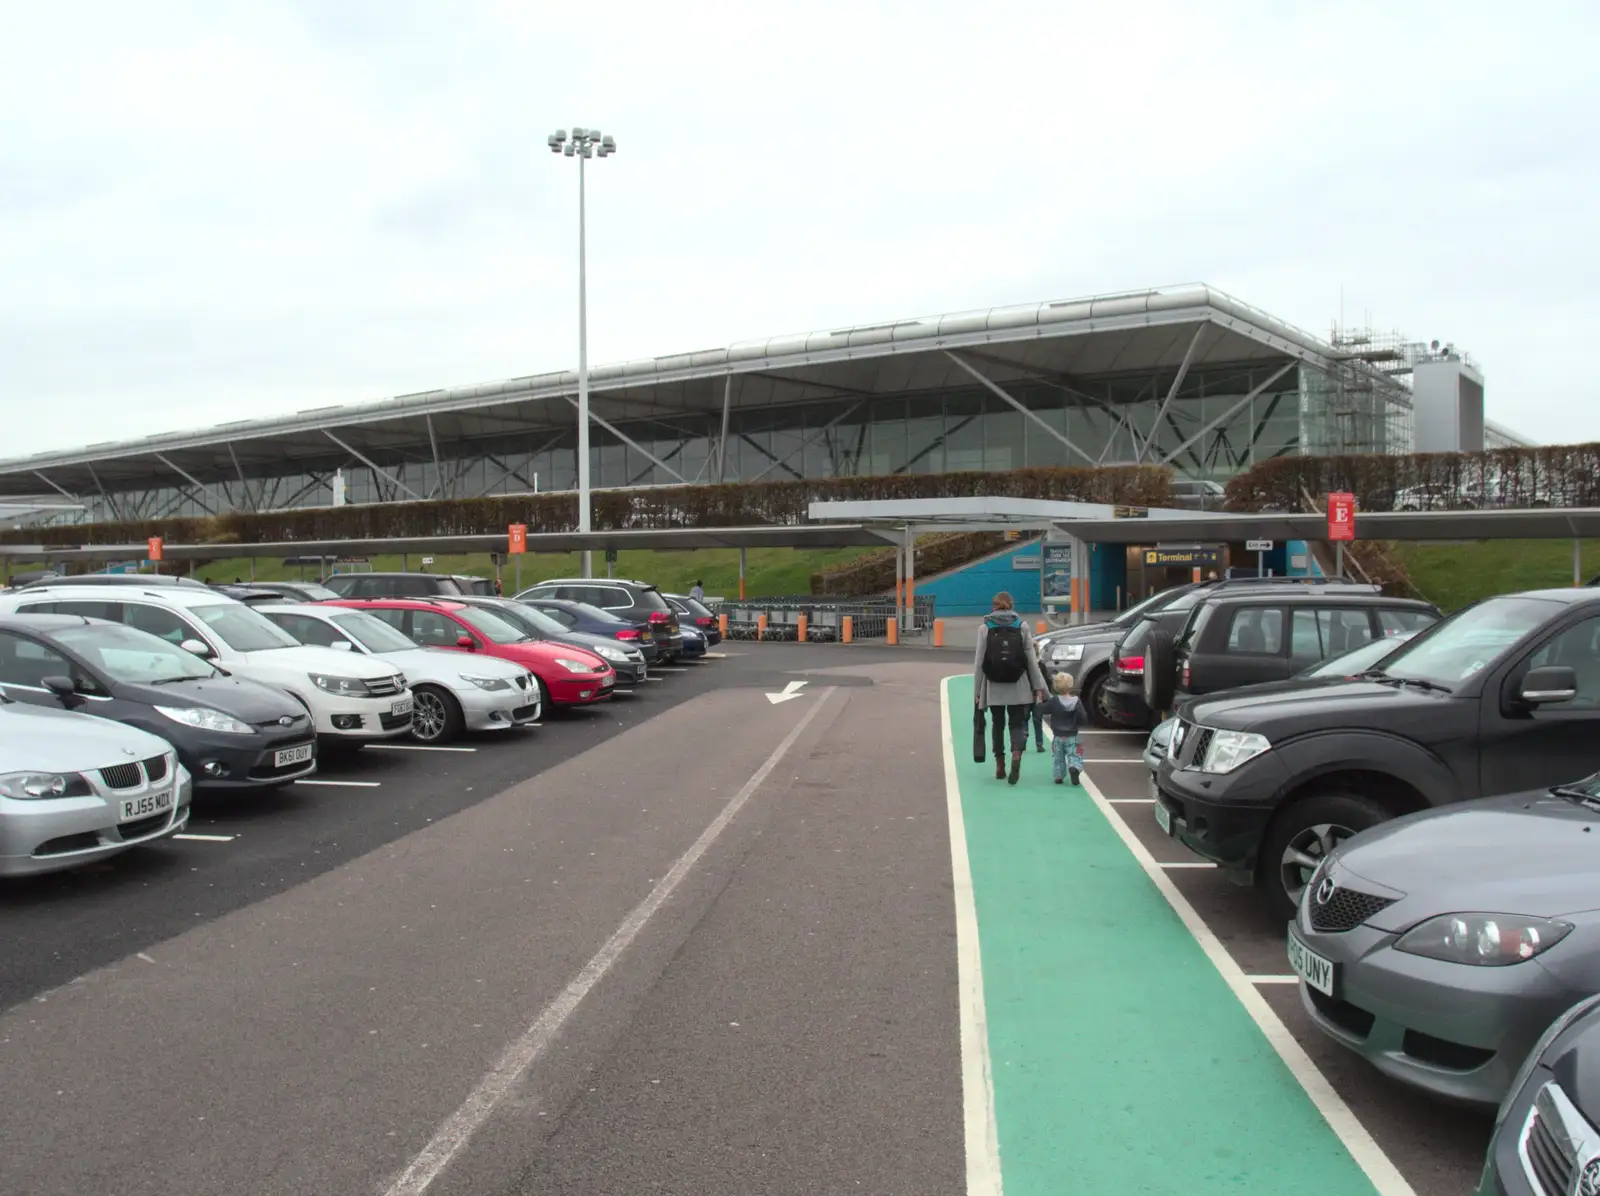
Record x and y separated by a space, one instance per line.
1304 854
428 715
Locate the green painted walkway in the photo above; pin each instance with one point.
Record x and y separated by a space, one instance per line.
1122 1062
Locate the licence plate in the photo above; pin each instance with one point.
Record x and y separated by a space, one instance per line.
1163 818
403 706
1310 967
284 757
146 805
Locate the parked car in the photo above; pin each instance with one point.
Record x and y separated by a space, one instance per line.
638 602
1338 668
1122 696
695 644
352 700
567 676
1239 639
297 591
625 659
692 612
117 579
1440 946
406 585
1547 1132
249 595
1198 494
448 694
74 789
1502 694
229 732
591 620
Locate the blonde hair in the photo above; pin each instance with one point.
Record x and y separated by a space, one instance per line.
1063 683
1002 601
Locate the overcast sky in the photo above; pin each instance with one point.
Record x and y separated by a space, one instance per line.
215 211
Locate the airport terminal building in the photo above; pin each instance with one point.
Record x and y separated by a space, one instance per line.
1187 377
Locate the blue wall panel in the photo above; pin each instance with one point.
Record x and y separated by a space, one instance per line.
970 591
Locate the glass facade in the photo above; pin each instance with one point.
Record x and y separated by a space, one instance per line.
1213 428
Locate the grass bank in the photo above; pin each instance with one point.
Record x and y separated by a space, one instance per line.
1452 575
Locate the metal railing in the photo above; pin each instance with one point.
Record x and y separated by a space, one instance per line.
869 617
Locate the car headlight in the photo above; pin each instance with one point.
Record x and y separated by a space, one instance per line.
489 683
26 786
205 719
1227 750
1483 940
1065 653
344 687
575 666
1539 1048
610 653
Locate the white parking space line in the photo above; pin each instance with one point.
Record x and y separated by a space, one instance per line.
1190 864
413 747
1369 1156
715 656
205 838
343 784
662 668
522 1054
653 679
1273 979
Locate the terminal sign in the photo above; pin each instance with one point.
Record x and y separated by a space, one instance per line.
1155 558
1341 516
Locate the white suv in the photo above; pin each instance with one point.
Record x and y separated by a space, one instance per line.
351 699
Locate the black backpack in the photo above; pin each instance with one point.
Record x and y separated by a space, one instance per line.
1003 655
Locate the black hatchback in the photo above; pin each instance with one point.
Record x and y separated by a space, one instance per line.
636 602
229 732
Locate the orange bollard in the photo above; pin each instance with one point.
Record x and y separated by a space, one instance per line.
893 631
722 625
938 633
1041 627
761 627
847 628
800 629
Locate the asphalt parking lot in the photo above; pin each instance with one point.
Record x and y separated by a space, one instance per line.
1438 1149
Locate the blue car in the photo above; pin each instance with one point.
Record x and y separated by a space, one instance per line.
694 643
591 620
694 613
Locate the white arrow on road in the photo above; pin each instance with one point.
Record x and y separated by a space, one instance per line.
792 690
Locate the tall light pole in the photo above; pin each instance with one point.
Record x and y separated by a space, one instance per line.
582 145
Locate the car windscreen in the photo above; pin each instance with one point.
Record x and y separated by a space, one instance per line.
697 608
243 629
651 599
1348 664
1150 605
539 621
595 614
312 593
133 657
491 626
518 617
1133 644
1469 641
372 633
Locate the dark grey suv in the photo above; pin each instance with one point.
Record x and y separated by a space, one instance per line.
407 585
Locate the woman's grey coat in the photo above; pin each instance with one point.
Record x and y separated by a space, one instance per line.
1006 693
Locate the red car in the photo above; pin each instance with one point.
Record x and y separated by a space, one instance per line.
567 676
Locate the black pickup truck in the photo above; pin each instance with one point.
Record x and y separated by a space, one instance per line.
1501 696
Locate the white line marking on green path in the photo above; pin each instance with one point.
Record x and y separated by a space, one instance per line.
1273 979
1189 864
1368 1155
977 1079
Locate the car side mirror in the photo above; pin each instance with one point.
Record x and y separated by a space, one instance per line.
1548 685
466 642
197 648
340 645
62 687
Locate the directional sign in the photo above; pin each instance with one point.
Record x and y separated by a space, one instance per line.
792 690
1341 516
1258 545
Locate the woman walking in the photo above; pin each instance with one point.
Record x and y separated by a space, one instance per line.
1006 681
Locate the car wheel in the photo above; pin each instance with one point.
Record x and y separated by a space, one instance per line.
435 715
1300 838
1160 673
1095 700
546 706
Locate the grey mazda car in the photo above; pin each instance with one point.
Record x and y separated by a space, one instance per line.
1442 945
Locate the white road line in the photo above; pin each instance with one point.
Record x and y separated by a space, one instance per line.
1190 864
413 747
205 838
522 1054
343 784
1369 1156
715 656
653 678
661 668
1273 979
1131 801
977 1078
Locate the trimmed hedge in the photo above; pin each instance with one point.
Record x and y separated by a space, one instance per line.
873 572
729 505
1565 475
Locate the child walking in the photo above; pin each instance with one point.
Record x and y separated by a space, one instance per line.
1067 717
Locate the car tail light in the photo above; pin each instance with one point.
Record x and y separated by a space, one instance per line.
628 633
705 620
1186 674
1132 664
660 616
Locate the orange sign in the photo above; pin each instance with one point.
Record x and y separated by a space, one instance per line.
1341 516
154 548
517 534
